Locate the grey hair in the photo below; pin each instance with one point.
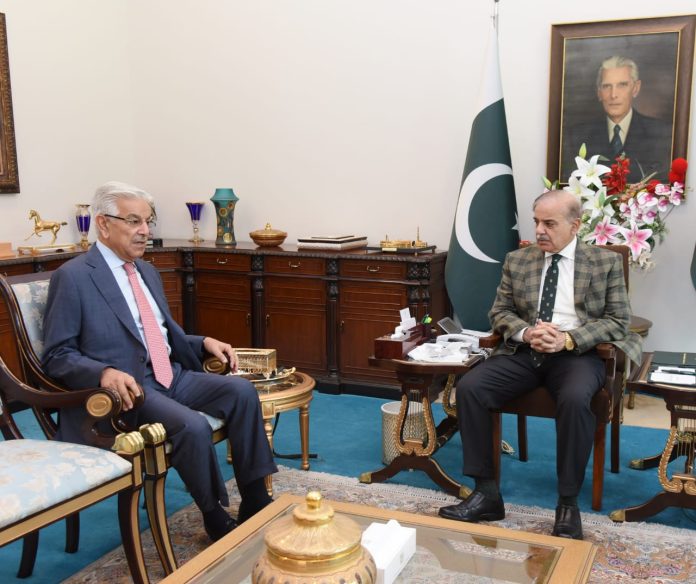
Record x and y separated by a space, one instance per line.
573 207
106 197
614 62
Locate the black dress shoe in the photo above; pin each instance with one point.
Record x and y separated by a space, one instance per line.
476 507
218 523
568 523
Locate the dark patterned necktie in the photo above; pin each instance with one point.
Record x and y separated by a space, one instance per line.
616 143
548 299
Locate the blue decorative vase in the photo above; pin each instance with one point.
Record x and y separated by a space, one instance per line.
224 201
83 219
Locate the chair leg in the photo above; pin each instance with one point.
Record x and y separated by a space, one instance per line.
72 533
155 475
130 534
497 422
30 545
157 516
615 437
522 436
598 465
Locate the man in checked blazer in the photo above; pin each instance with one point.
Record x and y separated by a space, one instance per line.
590 306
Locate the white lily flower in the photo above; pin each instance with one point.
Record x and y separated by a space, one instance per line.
577 188
589 172
596 204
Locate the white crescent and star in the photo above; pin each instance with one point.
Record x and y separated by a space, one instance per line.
473 182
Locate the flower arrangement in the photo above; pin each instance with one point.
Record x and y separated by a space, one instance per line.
632 214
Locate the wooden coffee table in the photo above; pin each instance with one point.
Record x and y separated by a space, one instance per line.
444 547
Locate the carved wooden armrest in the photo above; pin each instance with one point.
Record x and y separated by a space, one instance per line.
491 341
606 350
214 365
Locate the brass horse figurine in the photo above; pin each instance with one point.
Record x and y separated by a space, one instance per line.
39 226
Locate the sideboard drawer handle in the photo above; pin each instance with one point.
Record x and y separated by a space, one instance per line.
221 262
294 266
373 269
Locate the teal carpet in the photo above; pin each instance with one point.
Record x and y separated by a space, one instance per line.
345 433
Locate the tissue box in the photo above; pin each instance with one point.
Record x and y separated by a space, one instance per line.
388 348
391 546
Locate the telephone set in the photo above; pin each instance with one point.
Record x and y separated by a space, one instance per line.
456 337
455 332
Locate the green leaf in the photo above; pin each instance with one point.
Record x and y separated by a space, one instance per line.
547 183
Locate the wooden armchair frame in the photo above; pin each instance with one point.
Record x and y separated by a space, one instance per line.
99 404
156 460
53 396
606 405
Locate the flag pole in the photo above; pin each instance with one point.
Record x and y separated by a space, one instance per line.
495 16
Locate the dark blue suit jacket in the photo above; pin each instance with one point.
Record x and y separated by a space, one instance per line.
648 145
88 327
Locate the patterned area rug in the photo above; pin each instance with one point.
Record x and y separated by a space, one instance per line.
628 553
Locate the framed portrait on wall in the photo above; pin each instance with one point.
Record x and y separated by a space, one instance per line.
620 87
9 177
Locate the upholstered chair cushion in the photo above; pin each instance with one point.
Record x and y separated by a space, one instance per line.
32 297
37 474
215 424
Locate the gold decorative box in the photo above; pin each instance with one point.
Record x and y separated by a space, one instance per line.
262 361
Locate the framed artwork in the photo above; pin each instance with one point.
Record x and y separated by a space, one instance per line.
620 86
9 177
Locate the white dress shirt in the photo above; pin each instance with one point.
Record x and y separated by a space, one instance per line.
116 264
564 314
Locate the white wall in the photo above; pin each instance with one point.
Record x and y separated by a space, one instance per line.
341 116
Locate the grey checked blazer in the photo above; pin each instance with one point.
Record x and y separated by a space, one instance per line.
601 299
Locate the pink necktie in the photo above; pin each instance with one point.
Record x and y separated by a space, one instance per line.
159 357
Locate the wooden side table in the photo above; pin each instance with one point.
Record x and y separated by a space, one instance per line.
680 489
416 379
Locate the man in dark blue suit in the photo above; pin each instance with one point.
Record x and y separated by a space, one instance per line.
646 141
105 309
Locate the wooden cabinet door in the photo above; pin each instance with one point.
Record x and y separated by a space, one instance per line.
295 321
367 310
223 307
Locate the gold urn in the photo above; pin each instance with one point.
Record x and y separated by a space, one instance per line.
312 546
268 237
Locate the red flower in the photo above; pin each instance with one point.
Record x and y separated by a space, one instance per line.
678 171
650 187
615 180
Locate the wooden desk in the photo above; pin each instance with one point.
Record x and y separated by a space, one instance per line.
459 551
680 489
416 379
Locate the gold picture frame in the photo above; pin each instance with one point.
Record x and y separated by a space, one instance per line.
9 176
663 49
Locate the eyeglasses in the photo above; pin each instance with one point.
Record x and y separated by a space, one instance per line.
134 221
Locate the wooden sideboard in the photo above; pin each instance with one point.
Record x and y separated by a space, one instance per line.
321 310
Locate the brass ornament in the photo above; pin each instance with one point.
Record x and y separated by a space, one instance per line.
314 546
153 433
40 226
268 237
129 443
99 405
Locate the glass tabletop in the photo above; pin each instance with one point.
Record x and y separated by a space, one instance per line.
443 554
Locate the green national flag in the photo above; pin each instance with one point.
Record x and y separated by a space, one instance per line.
485 225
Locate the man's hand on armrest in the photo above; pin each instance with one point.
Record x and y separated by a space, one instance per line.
124 384
222 351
